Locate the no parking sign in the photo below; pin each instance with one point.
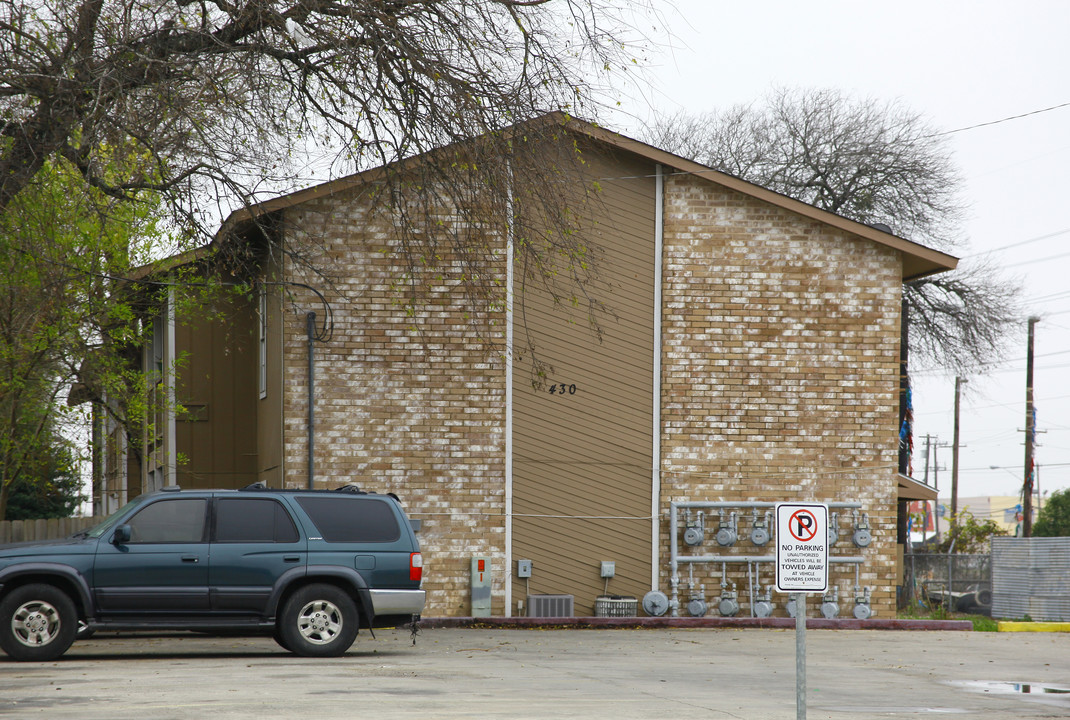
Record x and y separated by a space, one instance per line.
802 550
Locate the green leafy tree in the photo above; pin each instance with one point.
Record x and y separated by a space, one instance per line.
63 244
52 490
970 535
1053 520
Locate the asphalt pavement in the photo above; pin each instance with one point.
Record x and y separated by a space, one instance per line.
616 674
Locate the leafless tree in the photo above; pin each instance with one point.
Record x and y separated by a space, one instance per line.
194 108
874 162
215 101
201 107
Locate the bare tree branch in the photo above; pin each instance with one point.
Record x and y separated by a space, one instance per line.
874 162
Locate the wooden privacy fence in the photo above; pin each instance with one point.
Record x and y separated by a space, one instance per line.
51 529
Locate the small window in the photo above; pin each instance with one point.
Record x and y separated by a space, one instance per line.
342 519
170 521
247 520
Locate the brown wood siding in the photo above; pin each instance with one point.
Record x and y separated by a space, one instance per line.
216 436
582 461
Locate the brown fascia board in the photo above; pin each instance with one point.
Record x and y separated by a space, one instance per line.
918 260
163 265
249 212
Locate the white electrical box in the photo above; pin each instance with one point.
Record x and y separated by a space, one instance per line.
523 568
609 568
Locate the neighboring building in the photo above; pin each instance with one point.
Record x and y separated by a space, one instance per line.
930 518
754 356
1004 510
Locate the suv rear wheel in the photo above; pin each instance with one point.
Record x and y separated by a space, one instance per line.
318 621
37 623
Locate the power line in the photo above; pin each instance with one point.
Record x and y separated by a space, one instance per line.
1053 296
1018 244
1001 120
981 365
1037 260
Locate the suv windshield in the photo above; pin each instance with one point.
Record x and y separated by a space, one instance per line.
107 524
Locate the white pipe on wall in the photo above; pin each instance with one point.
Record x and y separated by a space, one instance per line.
655 480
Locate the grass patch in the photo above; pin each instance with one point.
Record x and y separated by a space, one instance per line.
981 623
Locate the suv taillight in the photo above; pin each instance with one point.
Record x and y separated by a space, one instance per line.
416 567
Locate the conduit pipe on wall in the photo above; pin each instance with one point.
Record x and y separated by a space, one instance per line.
750 504
847 560
310 324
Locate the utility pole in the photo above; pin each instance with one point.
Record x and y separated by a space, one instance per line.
1030 437
928 451
928 445
936 485
959 382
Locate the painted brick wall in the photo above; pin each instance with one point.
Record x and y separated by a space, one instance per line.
780 375
416 412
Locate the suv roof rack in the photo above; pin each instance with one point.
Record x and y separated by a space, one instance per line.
255 486
350 488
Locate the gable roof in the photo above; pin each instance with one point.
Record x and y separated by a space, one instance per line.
918 260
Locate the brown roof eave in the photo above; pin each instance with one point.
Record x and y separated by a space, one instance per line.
331 187
918 260
164 265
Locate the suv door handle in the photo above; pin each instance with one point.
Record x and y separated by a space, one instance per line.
191 558
291 558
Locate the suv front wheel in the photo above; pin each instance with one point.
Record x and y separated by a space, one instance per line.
318 621
37 623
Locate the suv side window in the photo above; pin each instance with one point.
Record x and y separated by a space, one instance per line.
170 521
342 519
249 520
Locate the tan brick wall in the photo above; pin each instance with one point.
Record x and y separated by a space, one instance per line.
779 382
780 372
419 412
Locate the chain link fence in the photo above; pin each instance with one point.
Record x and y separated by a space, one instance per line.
958 583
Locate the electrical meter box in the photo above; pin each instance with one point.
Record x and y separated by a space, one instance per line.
480 587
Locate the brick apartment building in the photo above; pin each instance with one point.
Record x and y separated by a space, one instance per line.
754 355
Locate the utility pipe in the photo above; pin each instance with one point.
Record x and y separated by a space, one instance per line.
310 320
845 559
674 576
753 504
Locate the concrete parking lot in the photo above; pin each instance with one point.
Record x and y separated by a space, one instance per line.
547 673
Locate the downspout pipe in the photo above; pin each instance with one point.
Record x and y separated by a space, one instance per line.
310 322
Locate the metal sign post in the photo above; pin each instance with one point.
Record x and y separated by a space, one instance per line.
800 655
802 564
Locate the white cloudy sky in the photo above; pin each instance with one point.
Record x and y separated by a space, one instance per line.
961 63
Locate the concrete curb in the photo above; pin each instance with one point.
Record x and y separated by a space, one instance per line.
595 623
1033 626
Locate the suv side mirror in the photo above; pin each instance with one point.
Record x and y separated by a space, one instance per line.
122 535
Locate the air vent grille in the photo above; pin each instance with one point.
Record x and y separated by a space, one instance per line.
550 605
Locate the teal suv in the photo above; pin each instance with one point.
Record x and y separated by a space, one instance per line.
310 567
